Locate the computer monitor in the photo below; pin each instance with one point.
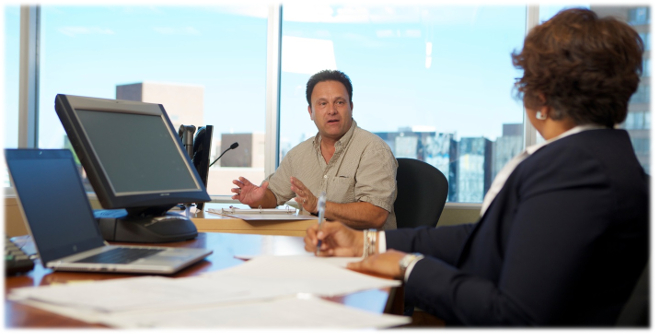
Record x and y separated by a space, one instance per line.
134 161
202 146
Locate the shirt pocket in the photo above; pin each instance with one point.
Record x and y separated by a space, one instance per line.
341 189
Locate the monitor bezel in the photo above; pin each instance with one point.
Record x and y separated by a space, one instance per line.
66 106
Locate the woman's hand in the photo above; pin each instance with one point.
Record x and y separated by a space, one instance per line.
385 264
337 240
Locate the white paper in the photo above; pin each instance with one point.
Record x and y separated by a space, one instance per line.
238 293
341 262
262 214
136 293
304 274
279 313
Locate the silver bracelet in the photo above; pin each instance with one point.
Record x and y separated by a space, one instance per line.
370 241
365 243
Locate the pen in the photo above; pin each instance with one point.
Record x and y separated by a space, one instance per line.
321 215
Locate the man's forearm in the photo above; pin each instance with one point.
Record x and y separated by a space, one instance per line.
269 201
359 215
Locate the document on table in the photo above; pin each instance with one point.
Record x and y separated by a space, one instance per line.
262 214
147 292
248 287
304 274
281 313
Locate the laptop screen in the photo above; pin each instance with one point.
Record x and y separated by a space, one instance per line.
54 202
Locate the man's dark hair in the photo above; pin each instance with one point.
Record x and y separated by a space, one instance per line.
586 67
329 75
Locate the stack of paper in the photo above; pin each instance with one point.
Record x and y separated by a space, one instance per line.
263 214
268 286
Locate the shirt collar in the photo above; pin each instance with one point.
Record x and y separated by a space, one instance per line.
577 129
342 142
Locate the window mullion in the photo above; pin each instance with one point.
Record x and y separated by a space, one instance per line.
529 132
28 125
273 71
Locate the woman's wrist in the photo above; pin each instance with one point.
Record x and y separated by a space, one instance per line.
370 242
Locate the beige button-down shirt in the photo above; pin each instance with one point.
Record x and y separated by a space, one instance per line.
362 169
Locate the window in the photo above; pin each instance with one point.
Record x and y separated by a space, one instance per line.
647 120
646 68
430 80
548 11
639 15
645 36
635 120
435 82
206 65
642 95
641 145
12 55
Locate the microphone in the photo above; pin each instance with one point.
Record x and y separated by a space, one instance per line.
186 136
233 146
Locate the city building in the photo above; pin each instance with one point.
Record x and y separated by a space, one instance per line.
183 103
423 143
507 146
473 169
440 151
251 147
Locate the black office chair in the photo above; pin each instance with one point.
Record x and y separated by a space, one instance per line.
422 193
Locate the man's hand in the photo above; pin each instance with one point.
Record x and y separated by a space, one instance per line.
304 196
248 193
337 240
385 264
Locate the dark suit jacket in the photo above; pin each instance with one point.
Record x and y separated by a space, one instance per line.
563 243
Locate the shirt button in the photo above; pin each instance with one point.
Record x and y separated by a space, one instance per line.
325 176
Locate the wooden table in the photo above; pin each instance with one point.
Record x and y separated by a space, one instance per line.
210 222
225 247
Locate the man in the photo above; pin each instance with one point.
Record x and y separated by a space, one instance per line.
355 168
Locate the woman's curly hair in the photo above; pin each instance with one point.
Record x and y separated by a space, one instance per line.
582 66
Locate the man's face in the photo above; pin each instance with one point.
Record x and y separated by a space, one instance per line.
331 110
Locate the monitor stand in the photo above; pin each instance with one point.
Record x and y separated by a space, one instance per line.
144 226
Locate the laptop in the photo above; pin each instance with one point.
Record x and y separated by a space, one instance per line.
61 222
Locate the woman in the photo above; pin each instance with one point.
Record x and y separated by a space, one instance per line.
563 233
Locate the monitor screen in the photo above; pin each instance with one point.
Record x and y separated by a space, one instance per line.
130 152
146 161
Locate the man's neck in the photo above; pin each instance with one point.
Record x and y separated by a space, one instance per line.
327 148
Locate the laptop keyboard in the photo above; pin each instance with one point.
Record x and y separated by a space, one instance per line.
120 255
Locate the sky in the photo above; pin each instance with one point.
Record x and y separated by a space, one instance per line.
442 67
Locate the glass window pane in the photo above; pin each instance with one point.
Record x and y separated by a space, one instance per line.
645 36
638 15
548 11
206 65
646 68
434 81
647 120
12 54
